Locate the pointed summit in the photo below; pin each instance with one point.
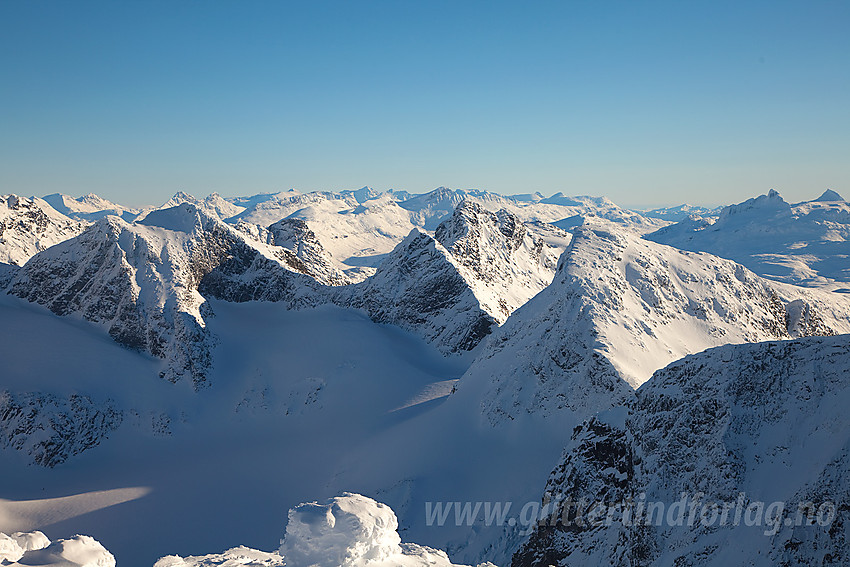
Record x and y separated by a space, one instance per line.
830 195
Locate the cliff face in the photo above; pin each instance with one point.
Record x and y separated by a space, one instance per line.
756 430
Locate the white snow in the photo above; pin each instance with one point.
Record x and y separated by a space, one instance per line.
805 244
33 548
28 226
350 530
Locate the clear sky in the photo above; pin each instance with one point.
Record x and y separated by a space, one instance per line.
645 102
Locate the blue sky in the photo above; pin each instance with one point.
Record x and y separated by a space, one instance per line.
647 103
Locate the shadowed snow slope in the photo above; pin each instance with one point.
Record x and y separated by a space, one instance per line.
805 244
736 425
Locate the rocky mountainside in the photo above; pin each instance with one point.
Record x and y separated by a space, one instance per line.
804 244
140 281
621 307
295 235
214 204
504 262
51 429
28 226
419 287
145 282
737 455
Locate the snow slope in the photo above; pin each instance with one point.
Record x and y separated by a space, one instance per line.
214 204
295 235
295 395
430 209
506 263
681 212
620 308
735 425
28 226
805 244
89 208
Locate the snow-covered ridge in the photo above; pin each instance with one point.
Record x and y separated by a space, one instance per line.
295 235
763 423
804 244
357 229
681 212
89 208
28 226
509 265
621 307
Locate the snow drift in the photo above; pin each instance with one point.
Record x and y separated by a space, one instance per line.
33 548
346 531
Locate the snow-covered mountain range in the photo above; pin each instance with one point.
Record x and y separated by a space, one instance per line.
389 344
805 244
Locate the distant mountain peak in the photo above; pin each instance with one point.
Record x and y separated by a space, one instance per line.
830 195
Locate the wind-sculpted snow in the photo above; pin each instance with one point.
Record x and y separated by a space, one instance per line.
804 244
28 226
759 430
346 531
33 548
620 308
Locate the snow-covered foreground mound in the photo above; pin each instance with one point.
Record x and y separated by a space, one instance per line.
346 531
33 548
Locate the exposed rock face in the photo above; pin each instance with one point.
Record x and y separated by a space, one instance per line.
419 287
295 236
51 429
503 262
140 282
736 426
28 226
